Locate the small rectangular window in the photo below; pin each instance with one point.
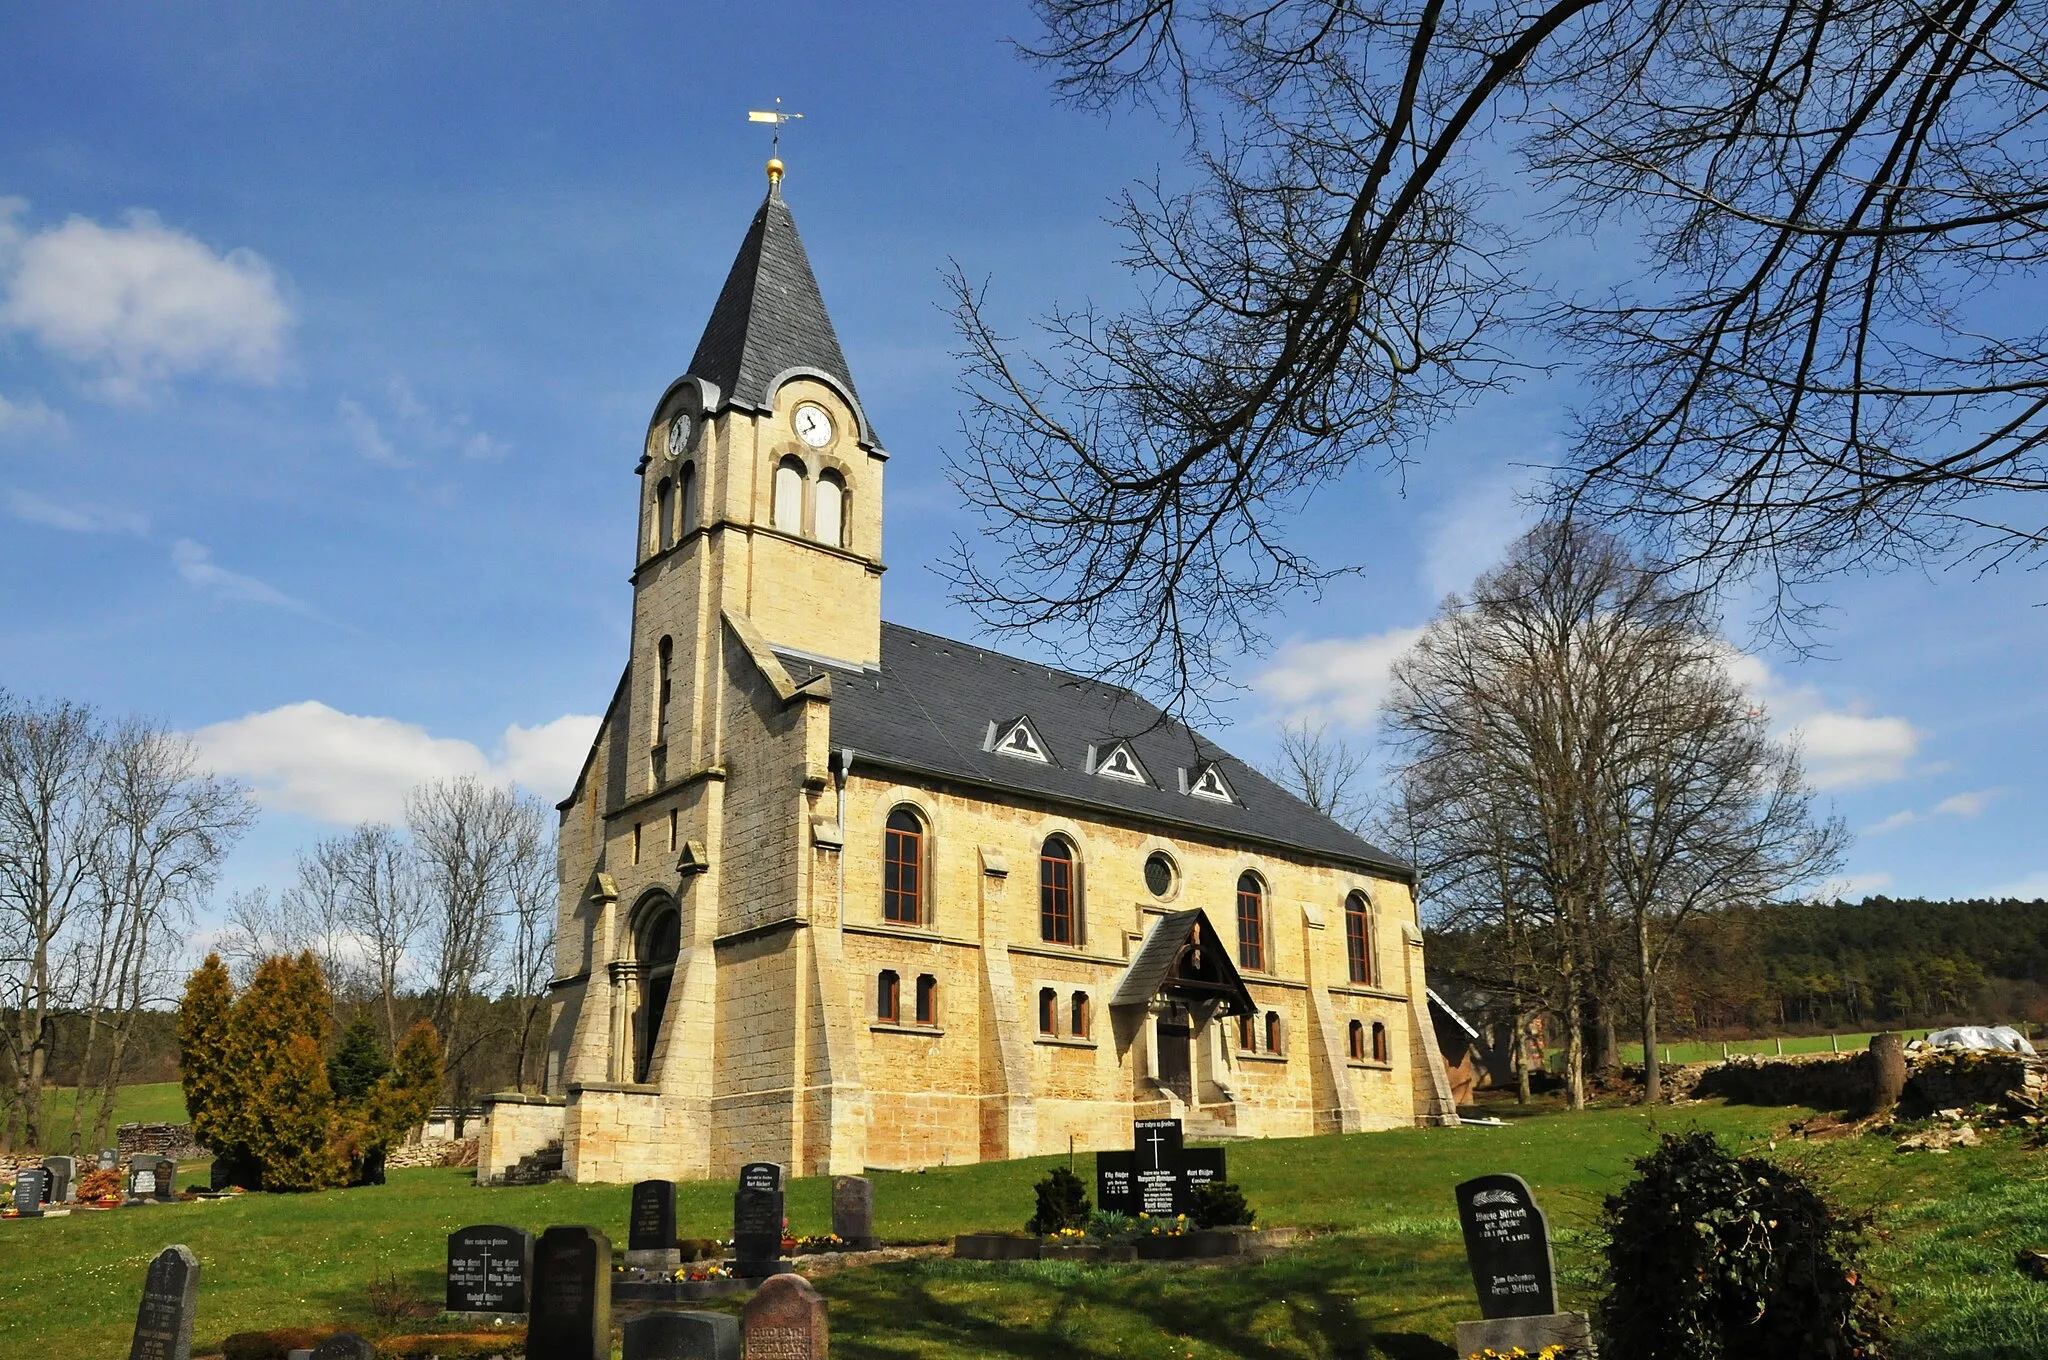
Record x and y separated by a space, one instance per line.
927 1000
1079 1017
888 1008
673 816
1048 1011
636 842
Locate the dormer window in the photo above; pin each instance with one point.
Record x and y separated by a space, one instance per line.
1121 763
1210 783
1019 740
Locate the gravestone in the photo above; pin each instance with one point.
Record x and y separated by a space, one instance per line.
651 1226
853 1211
142 1183
1507 1244
344 1346
166 1179
31 1185
757 1215
488 1269
1158 1175
786 1321
1887 1072
63 1179
109 1159
170 1294
569 1316
683 1336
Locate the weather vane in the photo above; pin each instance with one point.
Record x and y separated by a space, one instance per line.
776 117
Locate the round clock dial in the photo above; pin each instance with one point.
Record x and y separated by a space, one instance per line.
813 426
678 436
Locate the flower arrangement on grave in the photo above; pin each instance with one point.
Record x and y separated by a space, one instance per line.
699 1273
1547 1353
1062 1203
1145 1225
100 1187
813 1245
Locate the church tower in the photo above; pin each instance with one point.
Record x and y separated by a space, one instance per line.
760 498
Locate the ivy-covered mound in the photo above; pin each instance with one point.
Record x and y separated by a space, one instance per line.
270 1101
1717 1257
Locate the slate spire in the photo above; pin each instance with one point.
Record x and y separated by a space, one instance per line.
770 317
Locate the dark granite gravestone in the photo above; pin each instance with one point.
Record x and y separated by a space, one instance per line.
109 1159
344 1346
570 1314
757 1215
170 1294
31 1186
1199 1166
63 1179
853 1211
683 1336
1158 1175
651 1226
1507 1242
1115 1192
166 1179
142 1182
786 1321
488 1268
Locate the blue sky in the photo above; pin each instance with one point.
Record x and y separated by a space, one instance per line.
327 336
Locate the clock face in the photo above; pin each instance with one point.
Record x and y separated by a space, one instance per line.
678 436
813 426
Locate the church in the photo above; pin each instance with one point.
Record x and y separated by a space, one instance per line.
840 894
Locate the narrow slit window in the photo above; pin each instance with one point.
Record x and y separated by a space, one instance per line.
665 514
927 999
888 1003
664 686
1247 1034
1048 1011
686 499
1079 1018
1357 1041
1275 1032
1379 1042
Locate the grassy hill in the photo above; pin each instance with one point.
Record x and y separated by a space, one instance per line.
1388 1265
155 1103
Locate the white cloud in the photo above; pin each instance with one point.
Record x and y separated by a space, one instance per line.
2032 888
24 417
1472 535
195 564
1842 748
319 762
416 426
143 303
1850 886
1339 680
33 509
1956 805
366 435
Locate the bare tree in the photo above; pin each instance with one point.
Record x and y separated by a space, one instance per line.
377 881
49 769
532 890
1807 375
1324 770
465 834
163 826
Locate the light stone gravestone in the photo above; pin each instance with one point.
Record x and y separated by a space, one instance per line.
142 1183
109 1159
489 1266
651 1227
683 1336
31 1185
853 1211
786 1321
344 1346
63 1179
569 1316
1507 1244
757 1214
170 1295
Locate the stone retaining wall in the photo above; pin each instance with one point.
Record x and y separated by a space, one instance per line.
432 1152
158 1140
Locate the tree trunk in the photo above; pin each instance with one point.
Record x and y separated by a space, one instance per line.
1647 979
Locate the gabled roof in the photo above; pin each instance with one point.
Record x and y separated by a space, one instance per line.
927 710
1165 962
770 317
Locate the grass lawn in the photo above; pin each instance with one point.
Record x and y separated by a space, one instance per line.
158 1103
1389 1265
1710 1050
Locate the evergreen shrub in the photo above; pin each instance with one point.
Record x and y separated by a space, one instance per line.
1062 1203
1220 1204
1717 1257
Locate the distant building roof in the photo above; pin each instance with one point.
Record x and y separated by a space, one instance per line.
935 707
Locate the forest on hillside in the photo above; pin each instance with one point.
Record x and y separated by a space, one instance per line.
1827 966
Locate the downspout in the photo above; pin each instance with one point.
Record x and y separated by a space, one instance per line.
840 762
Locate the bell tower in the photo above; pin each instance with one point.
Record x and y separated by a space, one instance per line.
760 498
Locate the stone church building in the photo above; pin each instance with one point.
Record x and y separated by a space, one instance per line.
838 894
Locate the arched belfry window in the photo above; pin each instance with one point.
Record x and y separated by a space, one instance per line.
831 510
660 940
1359 945
789 496
686 499
1058 893
1251 923
903 869
665 514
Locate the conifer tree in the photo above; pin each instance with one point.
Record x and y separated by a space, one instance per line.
359 1062
203 1052
291 1120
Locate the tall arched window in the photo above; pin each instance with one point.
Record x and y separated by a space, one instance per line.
789 496
1048 1011
830 516
686 499
888 999
1251 923
660 941
1358 941
665 514
664 686
1056 895
1358 1041
1275 1033
1379 1042
903 869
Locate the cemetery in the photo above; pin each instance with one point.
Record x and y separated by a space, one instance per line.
1432 1243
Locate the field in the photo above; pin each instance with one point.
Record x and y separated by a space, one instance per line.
1710 1050
1386 1264
159 1103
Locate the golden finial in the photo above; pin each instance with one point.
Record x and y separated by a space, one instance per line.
775 117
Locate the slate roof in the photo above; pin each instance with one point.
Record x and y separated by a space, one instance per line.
769 317
927 710
1150 968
